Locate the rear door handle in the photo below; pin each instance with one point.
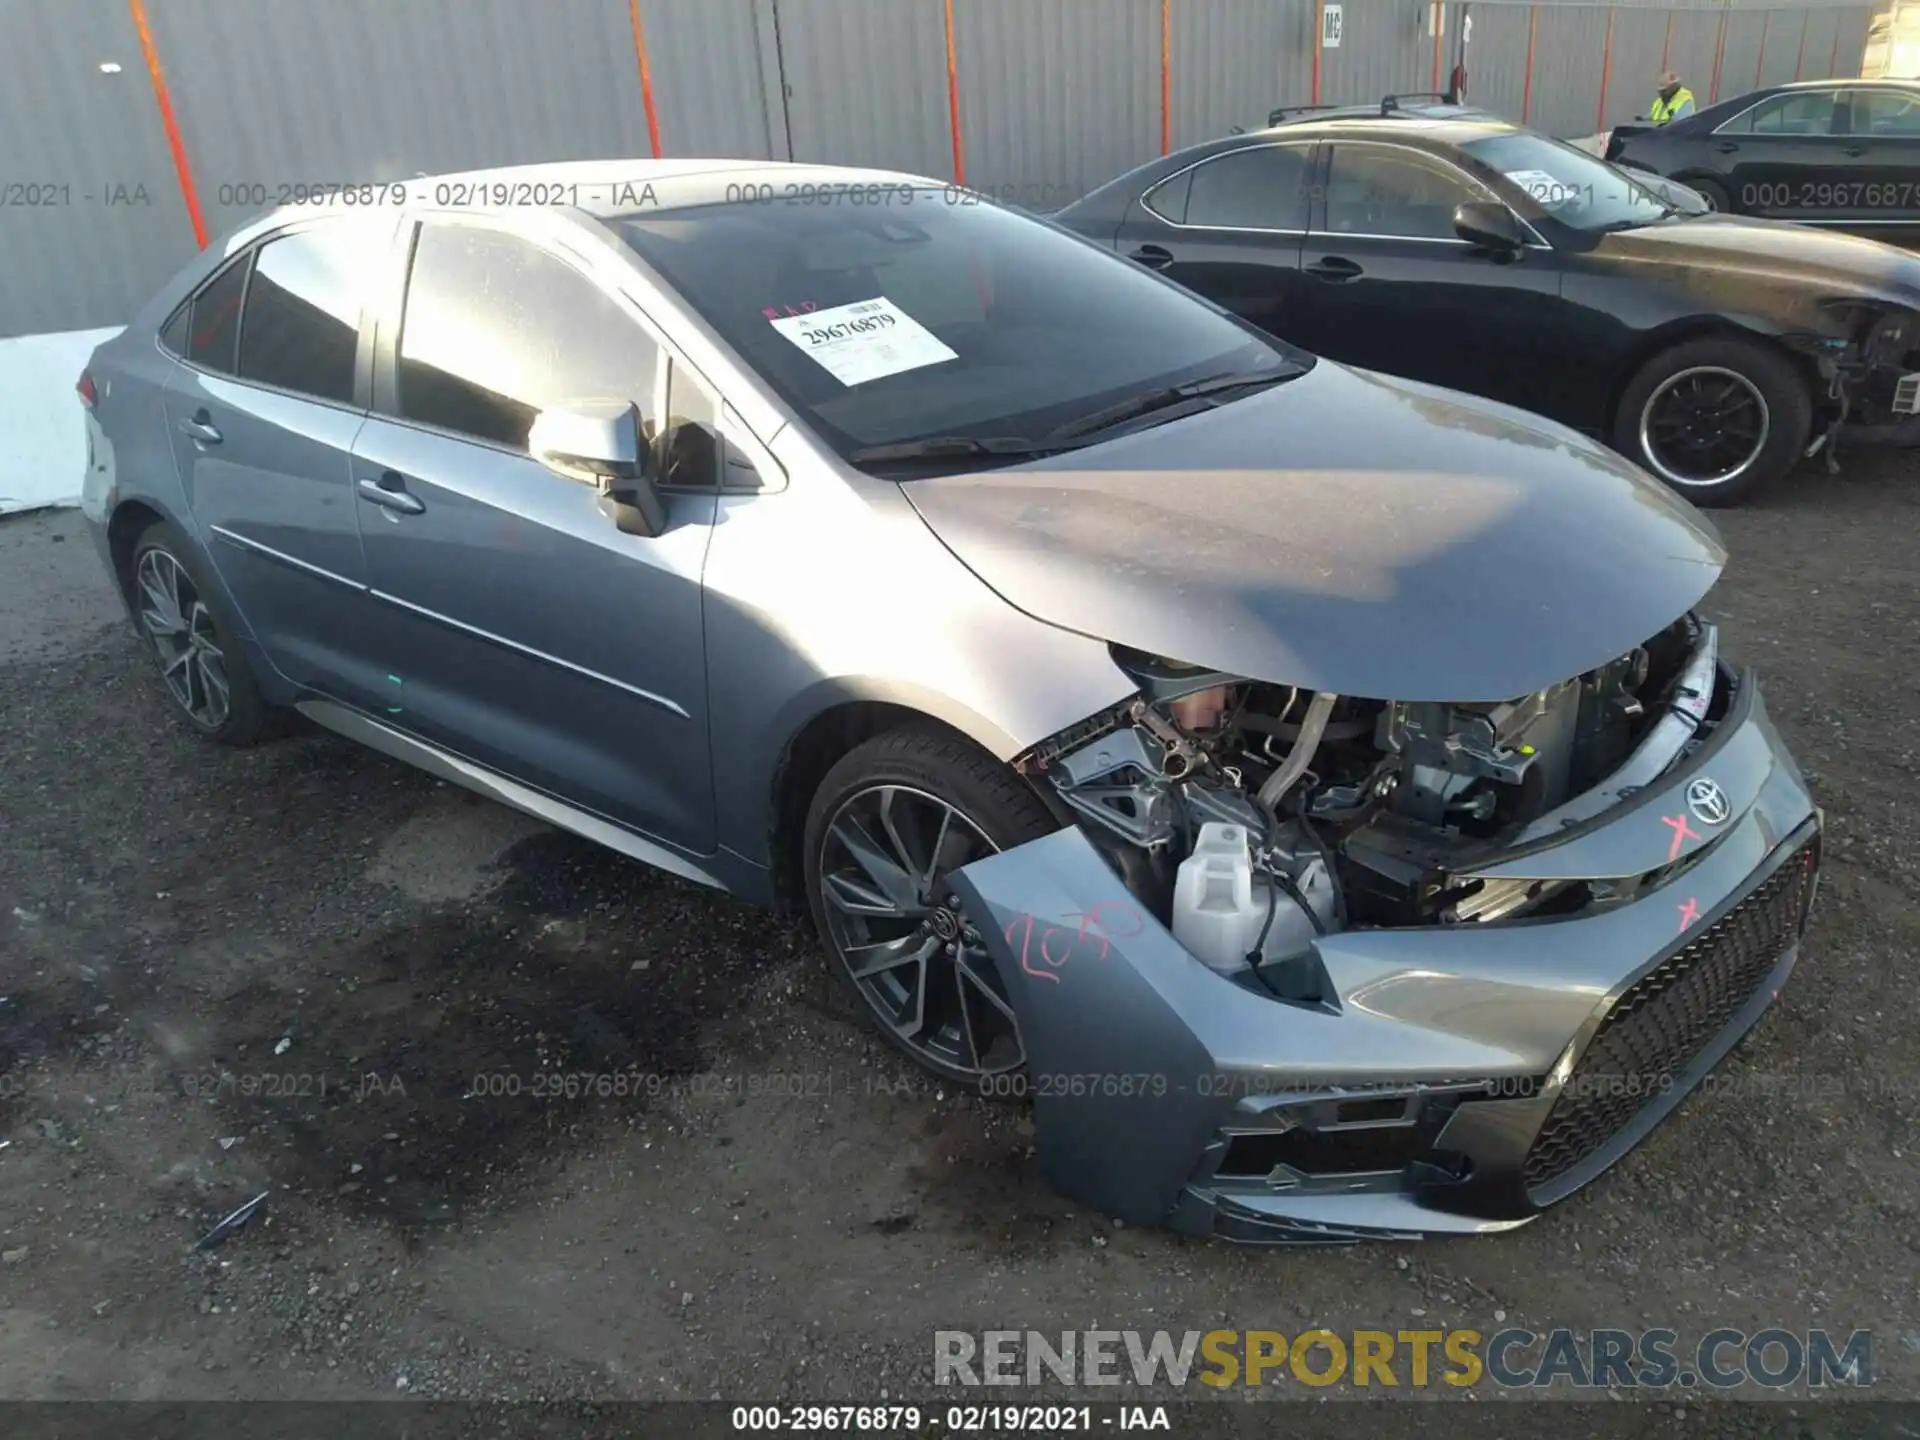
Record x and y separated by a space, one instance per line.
1726 147
390 490
1853 149
1152 256
1335 268
201 427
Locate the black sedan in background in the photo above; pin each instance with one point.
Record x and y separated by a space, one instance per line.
1839 153
1715 351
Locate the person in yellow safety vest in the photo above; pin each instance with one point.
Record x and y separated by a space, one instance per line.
1674 102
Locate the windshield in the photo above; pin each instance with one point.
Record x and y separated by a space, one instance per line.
936 313
1569 185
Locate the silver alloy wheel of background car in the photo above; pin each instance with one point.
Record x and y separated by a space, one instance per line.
180 628
885 859
1704 426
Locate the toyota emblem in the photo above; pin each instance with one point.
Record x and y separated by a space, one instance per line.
1708 802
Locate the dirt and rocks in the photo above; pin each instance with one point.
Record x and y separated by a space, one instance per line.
534 1123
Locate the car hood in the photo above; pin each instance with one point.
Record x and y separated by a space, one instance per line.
1342 531
1774 251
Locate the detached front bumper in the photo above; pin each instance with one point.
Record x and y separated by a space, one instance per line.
1461 1078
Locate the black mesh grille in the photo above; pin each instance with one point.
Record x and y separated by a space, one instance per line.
1668 1016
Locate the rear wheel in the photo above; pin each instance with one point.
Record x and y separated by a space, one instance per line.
198 654
890 824
1716 419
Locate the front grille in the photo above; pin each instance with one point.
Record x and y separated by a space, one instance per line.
1668 1016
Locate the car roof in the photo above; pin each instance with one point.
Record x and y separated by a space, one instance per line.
1839 83
1457 127
604 189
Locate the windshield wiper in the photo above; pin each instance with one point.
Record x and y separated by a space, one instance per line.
945 447
1135 406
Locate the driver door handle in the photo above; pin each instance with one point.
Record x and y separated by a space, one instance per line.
1335 268
201 428
390 490
1153 256
1856 148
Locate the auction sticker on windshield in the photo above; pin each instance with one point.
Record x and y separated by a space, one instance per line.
1543 187
864 341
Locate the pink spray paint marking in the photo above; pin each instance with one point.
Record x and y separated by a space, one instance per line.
1058 944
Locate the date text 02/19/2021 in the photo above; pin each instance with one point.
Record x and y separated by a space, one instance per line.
949 1420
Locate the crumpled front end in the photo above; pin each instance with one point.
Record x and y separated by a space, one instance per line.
1453 1073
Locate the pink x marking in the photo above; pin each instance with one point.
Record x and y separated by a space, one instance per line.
1682 832
1689 913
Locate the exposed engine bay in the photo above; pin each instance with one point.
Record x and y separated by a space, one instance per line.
1360 813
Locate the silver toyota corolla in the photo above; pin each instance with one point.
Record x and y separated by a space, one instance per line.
852 544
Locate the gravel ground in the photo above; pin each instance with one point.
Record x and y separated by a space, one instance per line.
293 971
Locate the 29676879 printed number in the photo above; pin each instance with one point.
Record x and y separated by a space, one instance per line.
1832 195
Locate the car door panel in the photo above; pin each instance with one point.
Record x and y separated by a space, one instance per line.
1781 158
1420 304
517 625
520 628
1229 228
272 501
264 452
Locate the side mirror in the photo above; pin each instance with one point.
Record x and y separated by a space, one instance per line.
1490 225
598 442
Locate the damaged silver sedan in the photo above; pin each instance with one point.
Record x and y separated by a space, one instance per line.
1317 792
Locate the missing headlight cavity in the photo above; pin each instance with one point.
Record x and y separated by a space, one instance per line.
1252 817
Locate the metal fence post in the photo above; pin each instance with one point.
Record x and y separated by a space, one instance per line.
1526 89
1606 71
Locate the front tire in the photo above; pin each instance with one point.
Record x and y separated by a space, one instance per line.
1713 192
888 826
197 652
1716 419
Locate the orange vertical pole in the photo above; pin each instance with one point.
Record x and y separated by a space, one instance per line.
646 75
953 102
1526 89
1719 54
1666 46
1166 76
1438 13
1766 25
1319 35
1606 72
182 171
1800 55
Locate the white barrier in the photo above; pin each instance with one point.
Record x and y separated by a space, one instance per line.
43 446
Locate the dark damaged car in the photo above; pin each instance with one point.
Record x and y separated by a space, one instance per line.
1012 612
1447 246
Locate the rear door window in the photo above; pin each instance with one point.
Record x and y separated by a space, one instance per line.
214 329
1263 188
1799 113
301 328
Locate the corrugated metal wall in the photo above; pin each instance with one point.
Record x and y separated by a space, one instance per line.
1053 96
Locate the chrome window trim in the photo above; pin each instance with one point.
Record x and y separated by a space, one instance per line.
1146 195
1537 243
